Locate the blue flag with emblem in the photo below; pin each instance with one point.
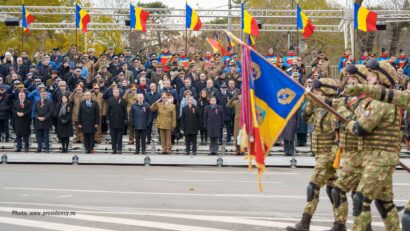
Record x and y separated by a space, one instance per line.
277 98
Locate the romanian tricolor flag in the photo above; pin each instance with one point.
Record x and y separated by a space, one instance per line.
214 45
249 24
82 18
364 19
192 19
223 50
26 18
269 99
304 23
230 42
138 18
251 41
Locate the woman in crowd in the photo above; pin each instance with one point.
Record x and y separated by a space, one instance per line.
64 124
203 101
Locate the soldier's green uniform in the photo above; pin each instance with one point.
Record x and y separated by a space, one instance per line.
379 125
323 138
352 156
398 98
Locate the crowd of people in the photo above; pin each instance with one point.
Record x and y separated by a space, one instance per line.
85 95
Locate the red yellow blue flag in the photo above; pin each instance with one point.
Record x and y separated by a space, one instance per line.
304 23
82 18
364 19
138 18
26 18
192 19
249 24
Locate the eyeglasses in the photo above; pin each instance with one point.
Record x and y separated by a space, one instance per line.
96 88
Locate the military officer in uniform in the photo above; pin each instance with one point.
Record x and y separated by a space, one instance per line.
379 126
97 96
75 99
323 138
352 155
130 97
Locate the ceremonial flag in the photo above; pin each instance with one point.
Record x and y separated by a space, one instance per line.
364 19
249 24
26 18
304 23
82 18
192 19
223 51
230 42
251 41
269 99
138 18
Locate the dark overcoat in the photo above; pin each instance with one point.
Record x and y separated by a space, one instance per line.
213 119
117 112
190 120
88 117
46 110
22 125
64 123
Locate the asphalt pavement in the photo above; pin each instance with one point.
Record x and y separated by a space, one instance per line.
101 197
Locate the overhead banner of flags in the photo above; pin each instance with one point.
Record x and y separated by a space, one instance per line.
138 18
82 18
26 18
304 23
192 19
364 19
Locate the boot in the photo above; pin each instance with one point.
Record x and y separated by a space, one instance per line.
303 225
338 227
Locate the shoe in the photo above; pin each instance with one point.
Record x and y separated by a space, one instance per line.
194 153
338 227
17 150
120 152
26 150
114 152
92 151
303 225
143 152
46 151
148 142
136 153
164 152
38 150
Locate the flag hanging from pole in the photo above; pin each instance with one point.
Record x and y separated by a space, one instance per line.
304 23
138 18
269 99
82 18
364 19
192 19
26 18
230 42
223 51
251 41
249 24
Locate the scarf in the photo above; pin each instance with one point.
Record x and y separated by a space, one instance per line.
63 110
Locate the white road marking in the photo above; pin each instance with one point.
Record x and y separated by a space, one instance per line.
377 224
122 221
257 196
401 184
46 225
244 172
222 181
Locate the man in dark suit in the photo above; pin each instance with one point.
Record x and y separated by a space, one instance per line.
88 120
222 99
151 97
117 118
22 112
190 125
139 116
43 110
213 119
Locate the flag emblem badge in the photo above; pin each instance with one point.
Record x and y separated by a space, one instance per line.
285 96
256 71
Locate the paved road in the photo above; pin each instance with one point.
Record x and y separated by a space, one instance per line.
160 198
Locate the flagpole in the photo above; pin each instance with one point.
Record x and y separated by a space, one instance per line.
313 96
22 29
297 32
186 31
75 18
